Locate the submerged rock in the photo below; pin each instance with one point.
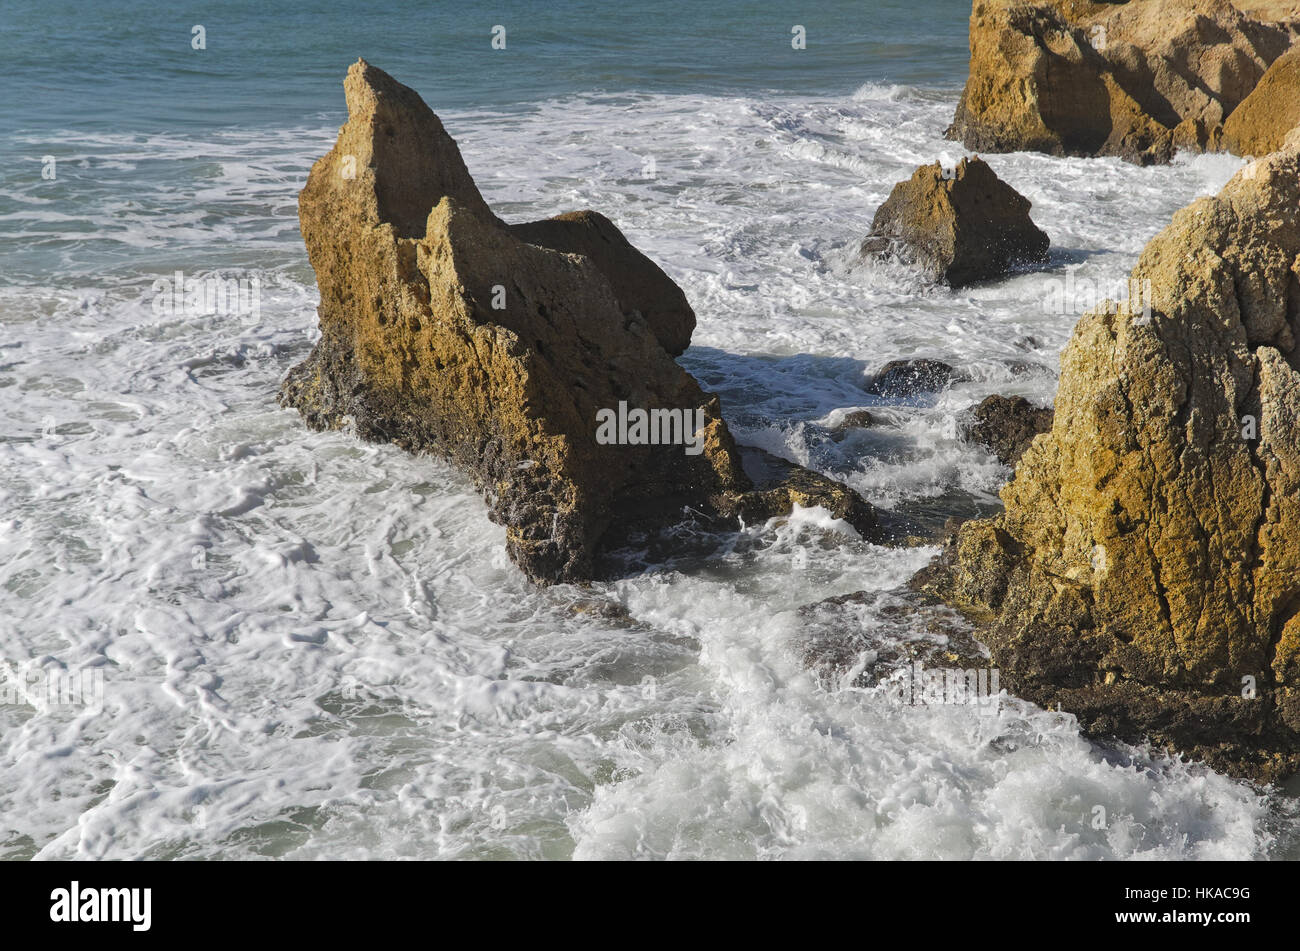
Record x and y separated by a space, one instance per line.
1134 79
865 638
1145 574
909 377
1261 123
961 226
851 420
537 357
1006 425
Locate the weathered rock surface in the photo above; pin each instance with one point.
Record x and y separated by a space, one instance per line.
1135 79
638 283
1006 425
968 227
445 330
1145 574
779 485
1261 123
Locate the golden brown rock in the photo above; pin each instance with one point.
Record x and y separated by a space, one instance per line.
1145 573
1261 123
638 282
1137 79
445 330
960 226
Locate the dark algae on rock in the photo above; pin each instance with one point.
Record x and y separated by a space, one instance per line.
446 330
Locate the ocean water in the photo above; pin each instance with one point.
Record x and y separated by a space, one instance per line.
311 647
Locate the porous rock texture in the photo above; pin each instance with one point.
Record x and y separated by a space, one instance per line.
1145 573
1136 79
445 330
960 226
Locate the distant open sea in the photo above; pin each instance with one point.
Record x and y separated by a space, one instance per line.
312 647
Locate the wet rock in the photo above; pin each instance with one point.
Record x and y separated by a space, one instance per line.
779 485
1137 80
864 638
1145 574
909 377
1006 425
849 422
444 330
961 226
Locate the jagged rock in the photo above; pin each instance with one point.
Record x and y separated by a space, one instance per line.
1006 425
909 377
1137 79
445 330
1261 123
961 226
1145 574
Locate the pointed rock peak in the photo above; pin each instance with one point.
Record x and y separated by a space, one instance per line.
961 224
393 139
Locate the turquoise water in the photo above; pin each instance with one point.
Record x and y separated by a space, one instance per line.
130 65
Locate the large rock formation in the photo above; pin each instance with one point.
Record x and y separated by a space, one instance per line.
1136 79
1261 123
1145 574
961 226
507 347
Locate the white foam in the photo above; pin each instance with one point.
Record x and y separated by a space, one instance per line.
317 648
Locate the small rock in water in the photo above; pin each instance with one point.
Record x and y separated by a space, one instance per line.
907 377
1006 425
855 419
961 225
